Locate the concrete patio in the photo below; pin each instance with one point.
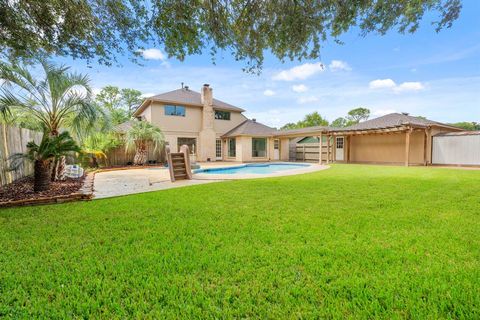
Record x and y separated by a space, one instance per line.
137 180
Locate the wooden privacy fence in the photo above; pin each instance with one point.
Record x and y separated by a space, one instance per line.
118 156
14 140
309 152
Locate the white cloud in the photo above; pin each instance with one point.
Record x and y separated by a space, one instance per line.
301 72
410 86
269 93
339 65
382 112
153 54
303 100
382 83
390 84
300 88
147 95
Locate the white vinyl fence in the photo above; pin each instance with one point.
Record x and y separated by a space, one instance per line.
456 149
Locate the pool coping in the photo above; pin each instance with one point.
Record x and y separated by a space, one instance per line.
312 167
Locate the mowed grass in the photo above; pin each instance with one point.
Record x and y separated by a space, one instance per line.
349 242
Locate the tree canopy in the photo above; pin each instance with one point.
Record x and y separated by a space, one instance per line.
310 120
97 29
471 126
315 119
119 103
358 114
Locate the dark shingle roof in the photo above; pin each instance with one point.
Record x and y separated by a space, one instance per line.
188 97
250 128
392 120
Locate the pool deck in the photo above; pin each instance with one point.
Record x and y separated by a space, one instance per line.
124 182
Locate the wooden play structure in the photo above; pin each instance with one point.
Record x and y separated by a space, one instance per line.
179 164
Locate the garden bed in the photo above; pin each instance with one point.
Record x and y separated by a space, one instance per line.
21 192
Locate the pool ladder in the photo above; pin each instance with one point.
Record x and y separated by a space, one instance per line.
179 164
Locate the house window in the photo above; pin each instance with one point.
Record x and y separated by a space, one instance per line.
232 148
222 115
190 142
178 111
259 147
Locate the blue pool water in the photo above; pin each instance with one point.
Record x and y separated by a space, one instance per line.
255 168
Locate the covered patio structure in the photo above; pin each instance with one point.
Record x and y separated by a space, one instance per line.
391 139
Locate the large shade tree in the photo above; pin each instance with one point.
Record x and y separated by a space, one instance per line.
289 29
58 99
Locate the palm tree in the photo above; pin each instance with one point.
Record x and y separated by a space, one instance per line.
139 135
42 155
61 99
96 146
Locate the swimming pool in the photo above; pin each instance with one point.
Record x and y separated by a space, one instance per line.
253 168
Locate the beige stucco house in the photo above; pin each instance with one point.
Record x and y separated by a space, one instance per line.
215 130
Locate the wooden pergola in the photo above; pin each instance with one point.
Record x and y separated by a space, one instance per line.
407 129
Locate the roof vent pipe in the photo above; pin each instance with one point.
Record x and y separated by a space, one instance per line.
254 120
405 113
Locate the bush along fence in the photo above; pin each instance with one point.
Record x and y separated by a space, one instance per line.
14 140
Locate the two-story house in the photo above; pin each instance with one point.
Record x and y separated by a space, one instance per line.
213 129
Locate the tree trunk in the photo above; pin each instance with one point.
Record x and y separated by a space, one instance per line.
93 162
58 172
140 157
42 179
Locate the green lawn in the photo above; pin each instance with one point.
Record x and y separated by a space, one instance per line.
349 242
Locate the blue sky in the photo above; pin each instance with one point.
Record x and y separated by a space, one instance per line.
427 73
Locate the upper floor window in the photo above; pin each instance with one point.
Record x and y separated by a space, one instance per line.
174 111
222 115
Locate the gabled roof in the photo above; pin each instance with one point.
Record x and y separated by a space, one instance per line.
393 120
250 128
185 96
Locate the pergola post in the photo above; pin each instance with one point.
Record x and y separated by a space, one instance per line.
425 138
349 146
328 149
407 146
320 149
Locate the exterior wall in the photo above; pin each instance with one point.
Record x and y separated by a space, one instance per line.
192 122
190 126
387 148
285 149
147 114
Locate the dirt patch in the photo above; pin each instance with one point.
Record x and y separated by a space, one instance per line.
22 189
